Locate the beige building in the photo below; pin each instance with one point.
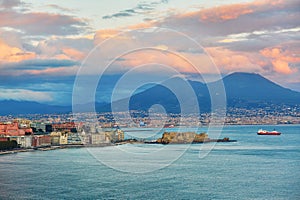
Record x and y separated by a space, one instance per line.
23 141
59 138
114 136
98 138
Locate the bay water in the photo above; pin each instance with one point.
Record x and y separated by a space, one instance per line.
254 167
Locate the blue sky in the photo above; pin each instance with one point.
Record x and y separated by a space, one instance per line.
43 44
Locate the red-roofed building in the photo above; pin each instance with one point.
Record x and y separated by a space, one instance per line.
67 126
12 129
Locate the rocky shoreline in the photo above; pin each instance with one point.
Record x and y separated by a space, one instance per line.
198 142
187 138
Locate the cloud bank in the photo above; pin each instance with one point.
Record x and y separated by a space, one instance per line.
258 36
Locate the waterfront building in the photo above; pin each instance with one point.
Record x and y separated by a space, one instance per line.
41 127
98 138
66 126
74 138
12 129
63 140
114 135
41 140
59 138
23 141
55 138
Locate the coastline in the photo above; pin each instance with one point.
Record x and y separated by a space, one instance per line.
50 148
251 157
13 151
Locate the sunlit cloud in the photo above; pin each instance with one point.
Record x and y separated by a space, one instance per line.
104 34
258 36
59 71
13 54
281 66
39 23
236 18
232 61
227 12
73 53
24 95
282 59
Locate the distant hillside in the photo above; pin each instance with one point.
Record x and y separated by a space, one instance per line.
255 88
11 107
243 90
166 98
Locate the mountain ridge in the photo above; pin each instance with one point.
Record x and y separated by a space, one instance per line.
244 90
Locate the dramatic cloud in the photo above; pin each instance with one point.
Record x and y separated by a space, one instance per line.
283 57
237 36
73 53
236 18
24 95
37 63
104 34
13 54
59 71
231 61
257 40
40 67
59 57
8 4
141 8
58 89
53 47
124 13
39 23
258 36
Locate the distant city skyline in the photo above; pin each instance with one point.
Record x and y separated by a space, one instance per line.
42 44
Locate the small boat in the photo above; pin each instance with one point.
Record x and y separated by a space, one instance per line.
264 132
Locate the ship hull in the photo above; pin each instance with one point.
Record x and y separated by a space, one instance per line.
269 133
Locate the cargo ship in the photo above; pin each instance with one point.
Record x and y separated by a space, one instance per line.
264 132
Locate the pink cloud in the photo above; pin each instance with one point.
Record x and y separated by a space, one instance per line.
150 57
231 61
235 18
282 57
104 34
255 25
59 71
282 67
73 53
232 11
227 12
39 23
13 54
8 4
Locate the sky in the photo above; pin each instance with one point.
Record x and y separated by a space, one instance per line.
45 44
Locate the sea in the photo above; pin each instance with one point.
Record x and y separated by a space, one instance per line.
254 167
